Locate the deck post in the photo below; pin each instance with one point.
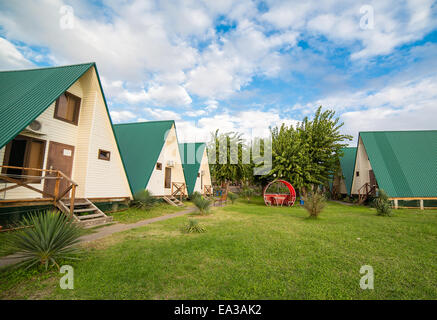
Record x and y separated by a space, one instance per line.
396 204
56 193
421 204
73 193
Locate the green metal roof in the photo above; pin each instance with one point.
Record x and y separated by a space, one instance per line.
191 163
140 145
25 94
347 163
404 162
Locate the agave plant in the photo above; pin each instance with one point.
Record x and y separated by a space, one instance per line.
195 195
144 200
204 205
193 226
44 239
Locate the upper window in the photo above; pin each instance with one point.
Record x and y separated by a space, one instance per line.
158 166
104 155
357 173
67 108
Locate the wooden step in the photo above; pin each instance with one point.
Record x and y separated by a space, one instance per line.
90 209
91 216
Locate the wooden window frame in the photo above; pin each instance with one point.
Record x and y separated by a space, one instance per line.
104 158
76 111
7 155
159 166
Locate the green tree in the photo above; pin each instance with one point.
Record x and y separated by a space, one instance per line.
228 164
308 155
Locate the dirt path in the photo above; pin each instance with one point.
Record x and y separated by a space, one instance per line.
104 232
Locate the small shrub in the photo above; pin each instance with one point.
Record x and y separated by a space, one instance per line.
232 196
195 195
204 205
144 200
193 226
44 239
314 204
247 193
382 204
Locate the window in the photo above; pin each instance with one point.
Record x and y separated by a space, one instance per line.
357 173
67 108
198 174
104 155
158 166
24 152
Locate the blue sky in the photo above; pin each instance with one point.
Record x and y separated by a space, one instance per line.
240 65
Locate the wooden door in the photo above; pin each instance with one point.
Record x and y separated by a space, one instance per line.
167 178
60 157
372 178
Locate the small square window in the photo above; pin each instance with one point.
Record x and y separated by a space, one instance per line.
158 166
104 155
358 173
198 174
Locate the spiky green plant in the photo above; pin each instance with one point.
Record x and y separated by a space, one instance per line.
44 239
195 195
232 196
204 205
314 203
247 192
144 200
382 204
193 226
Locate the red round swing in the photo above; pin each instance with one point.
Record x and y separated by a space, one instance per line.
279 198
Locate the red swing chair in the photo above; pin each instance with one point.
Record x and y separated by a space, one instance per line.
274 196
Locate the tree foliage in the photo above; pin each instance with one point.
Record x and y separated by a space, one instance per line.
308 155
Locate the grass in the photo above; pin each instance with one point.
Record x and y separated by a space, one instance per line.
251 251
133 215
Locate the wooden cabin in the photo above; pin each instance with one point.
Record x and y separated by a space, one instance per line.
196 168
342 182
150 151
57 144
402 163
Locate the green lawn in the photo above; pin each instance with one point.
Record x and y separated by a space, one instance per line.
253 252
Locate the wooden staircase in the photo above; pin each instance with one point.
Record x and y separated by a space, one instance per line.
365 191
84 212
173 201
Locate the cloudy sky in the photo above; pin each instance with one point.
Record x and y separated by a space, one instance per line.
240 65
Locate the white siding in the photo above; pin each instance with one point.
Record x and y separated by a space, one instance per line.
96 178
362 165
204 167
169 152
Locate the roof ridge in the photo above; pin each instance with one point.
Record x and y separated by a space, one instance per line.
142 122
50 67
385 131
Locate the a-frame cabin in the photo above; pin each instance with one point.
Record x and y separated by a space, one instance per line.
57 145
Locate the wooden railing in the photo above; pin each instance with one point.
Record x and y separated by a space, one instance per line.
23 180
365 190
178 189
207 190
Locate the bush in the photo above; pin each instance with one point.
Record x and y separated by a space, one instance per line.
232 196
193 226
195 195
247 193
314 204
382 204
144 200
204 205
44 239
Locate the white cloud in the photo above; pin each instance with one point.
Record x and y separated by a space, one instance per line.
10 57
122 116
174 95
161 114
